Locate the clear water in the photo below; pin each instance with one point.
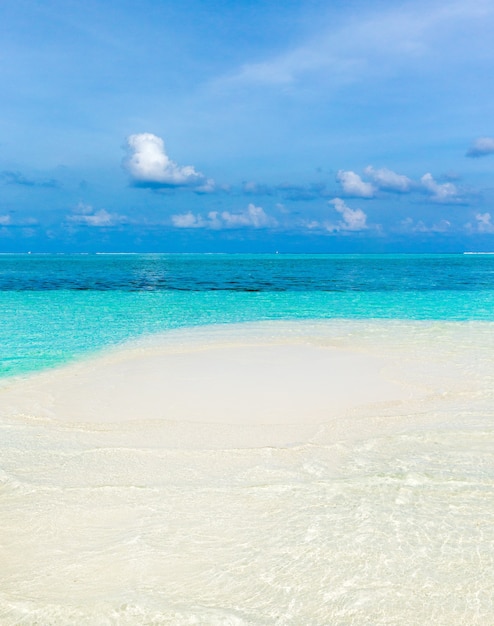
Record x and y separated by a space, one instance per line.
109 525
56 307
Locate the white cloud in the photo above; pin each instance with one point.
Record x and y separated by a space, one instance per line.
312 224
384 179
370 43
187 220
409 225
352 219
388 180
207 187
440 192
86 215
287 68
353 185
253 188
282 208
484 223
148 164
482 146
6 220
252 217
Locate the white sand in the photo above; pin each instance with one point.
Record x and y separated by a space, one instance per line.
226 379
275 473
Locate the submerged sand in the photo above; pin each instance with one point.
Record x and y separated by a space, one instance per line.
274 473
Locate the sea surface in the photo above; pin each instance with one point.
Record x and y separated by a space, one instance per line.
54 308
106 525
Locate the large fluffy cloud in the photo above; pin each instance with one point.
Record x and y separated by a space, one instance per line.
252 217
150 166
482 146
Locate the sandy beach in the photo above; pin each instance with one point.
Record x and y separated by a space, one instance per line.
261 473
230 379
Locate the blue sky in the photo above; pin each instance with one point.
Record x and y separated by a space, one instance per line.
302 126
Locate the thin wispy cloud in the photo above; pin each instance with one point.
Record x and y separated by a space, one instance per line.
375 42
302 193
10 222
251 188
409 225
85 215
483 146
9 177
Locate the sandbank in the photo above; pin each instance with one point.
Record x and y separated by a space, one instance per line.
283 472
247 385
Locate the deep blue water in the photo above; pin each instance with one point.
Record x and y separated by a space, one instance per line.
222 272
54 308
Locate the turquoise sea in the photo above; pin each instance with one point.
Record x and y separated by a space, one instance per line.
54 308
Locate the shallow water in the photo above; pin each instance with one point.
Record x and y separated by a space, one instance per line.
107 524
55 308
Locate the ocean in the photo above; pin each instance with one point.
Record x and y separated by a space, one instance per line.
54 308
125 524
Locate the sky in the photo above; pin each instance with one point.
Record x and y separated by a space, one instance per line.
246 126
